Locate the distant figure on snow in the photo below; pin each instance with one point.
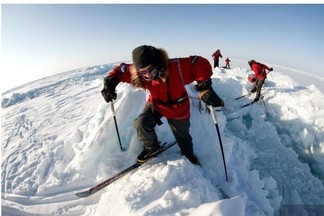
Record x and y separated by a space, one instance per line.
259 77
216 56
165 80
227 63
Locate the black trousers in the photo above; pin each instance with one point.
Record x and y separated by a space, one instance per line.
145 125
257 88
216 63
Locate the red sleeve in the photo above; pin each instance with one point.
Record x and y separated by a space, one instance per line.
201 69
195 68
122 71
266 67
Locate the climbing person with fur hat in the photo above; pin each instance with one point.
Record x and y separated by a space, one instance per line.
165 80
260 74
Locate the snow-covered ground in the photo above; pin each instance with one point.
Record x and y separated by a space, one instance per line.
58 137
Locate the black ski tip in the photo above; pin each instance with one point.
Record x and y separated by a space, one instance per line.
224 195
248 104
83 194
238 98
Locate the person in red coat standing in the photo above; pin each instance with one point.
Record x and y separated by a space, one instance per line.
227 61
165 80
260 74
216 55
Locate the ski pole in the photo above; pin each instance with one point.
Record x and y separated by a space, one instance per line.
114 113
264 106
212 112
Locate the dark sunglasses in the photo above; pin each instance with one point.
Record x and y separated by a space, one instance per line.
151 73
150 69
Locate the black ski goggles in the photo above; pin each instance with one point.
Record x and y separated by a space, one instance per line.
150 72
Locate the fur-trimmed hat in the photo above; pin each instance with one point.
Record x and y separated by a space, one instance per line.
160 59
144 55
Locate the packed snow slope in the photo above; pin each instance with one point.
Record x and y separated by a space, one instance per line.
58 137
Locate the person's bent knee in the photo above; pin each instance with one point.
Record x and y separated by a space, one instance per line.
144 122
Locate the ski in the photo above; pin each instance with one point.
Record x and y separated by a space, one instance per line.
248 104
119 175
243 96
224 195
248 94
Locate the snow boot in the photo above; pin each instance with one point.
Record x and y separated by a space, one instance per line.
193 159
146 154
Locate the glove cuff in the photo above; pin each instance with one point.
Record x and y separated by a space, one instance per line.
203 85
201 94
211 98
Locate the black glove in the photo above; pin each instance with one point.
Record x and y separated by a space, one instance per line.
203 85
109 90
271 69
211 98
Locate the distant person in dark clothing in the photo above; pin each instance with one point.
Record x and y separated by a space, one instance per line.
216 56
227 63
260 75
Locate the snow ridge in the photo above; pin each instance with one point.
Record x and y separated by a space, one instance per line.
58 138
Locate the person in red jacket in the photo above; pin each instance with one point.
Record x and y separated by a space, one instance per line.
216 56
165 80
260 74
227 63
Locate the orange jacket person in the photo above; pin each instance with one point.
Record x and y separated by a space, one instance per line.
227 63
260 75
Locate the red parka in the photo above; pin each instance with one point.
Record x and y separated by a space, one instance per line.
217 54
259 70
165 92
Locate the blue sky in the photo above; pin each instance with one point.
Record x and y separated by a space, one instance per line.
40 40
